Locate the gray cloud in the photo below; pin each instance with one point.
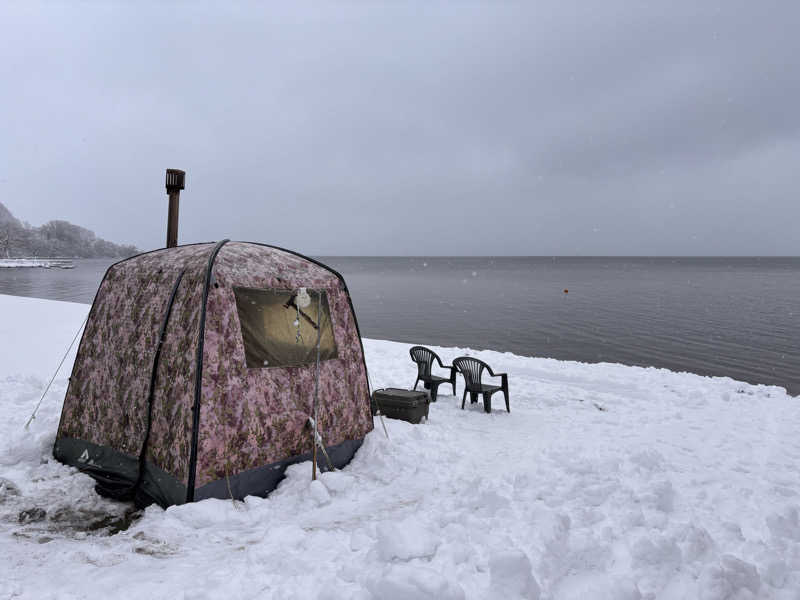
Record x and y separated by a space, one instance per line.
423 128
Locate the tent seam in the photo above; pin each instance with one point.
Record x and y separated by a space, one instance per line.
153 378
198 384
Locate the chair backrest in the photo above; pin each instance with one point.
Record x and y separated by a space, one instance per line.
471 369
424 359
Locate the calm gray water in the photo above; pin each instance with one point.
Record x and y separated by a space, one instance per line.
738 317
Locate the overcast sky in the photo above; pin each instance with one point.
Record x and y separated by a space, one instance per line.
540 128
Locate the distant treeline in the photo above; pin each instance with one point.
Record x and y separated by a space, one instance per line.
54 238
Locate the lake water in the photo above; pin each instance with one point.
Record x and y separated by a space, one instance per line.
738 317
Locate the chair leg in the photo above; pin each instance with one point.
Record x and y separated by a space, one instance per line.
434 391
473 397
453 383
415 383
464 399
505 393
487 402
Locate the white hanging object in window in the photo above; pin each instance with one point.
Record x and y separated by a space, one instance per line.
302 298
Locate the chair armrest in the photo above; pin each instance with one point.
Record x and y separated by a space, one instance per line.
503 375
444 366
492 373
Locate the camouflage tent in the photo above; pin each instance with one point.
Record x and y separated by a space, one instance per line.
196 374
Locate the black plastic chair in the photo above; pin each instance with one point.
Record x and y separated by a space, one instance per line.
472 369
424 358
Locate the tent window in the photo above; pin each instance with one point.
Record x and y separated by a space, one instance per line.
270 334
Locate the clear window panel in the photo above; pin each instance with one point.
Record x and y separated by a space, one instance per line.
278 333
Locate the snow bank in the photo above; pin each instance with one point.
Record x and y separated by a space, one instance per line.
605 482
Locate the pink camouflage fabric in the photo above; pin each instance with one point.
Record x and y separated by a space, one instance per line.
251 420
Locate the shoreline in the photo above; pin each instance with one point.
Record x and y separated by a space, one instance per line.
445 351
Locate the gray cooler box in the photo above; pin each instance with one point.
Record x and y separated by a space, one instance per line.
405 405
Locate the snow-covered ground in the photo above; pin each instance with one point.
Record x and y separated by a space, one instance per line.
605 481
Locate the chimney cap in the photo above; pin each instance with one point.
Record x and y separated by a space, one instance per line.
175 180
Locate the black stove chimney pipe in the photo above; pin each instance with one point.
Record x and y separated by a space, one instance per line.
175 183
